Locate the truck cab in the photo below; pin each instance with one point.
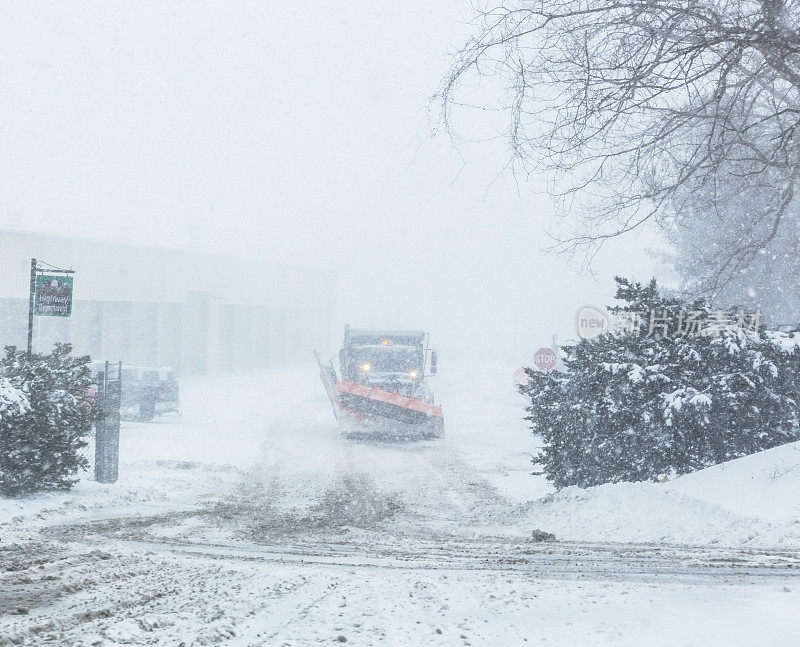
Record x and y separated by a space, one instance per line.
396 361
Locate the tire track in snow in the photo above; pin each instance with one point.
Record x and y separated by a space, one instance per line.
557 560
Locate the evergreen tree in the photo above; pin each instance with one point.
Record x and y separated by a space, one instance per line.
663 396
41 448
13 406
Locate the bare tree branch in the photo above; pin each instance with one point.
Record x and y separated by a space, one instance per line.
646 111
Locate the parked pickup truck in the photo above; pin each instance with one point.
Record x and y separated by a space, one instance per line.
148 392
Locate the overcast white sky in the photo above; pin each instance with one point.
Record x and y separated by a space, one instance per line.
290 129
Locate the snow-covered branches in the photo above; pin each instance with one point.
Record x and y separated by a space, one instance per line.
626 103
13 402
638 407
45 418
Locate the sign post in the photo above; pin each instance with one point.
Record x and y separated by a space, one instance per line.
50 295
106 448
30 306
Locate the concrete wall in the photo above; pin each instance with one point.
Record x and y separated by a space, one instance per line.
196 336
157 307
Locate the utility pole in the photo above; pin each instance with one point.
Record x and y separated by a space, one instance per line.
30 307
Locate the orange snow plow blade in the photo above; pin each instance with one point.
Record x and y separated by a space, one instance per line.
380 397
368 409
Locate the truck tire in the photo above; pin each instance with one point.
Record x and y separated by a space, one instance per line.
147 410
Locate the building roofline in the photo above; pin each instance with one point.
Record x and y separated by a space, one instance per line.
160 248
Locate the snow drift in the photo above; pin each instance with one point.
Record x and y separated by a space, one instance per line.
754 500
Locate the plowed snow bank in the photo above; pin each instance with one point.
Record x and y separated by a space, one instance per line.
752 500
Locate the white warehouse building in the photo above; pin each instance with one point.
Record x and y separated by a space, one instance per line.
161 307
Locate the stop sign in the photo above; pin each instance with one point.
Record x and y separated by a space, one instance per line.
544 359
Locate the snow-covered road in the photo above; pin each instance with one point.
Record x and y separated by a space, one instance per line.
174 591
248 521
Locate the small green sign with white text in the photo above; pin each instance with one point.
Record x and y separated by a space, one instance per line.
53 296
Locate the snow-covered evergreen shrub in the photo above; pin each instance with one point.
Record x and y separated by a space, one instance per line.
48 419
636 406
13 406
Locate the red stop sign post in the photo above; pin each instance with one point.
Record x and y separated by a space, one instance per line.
545 359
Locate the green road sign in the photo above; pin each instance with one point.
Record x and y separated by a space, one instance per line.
53 296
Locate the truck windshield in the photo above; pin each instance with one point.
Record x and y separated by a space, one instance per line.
389 359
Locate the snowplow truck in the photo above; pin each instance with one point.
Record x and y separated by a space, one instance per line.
382 388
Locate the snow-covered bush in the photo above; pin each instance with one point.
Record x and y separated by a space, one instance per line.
632 407
45 419
13 402
13 406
